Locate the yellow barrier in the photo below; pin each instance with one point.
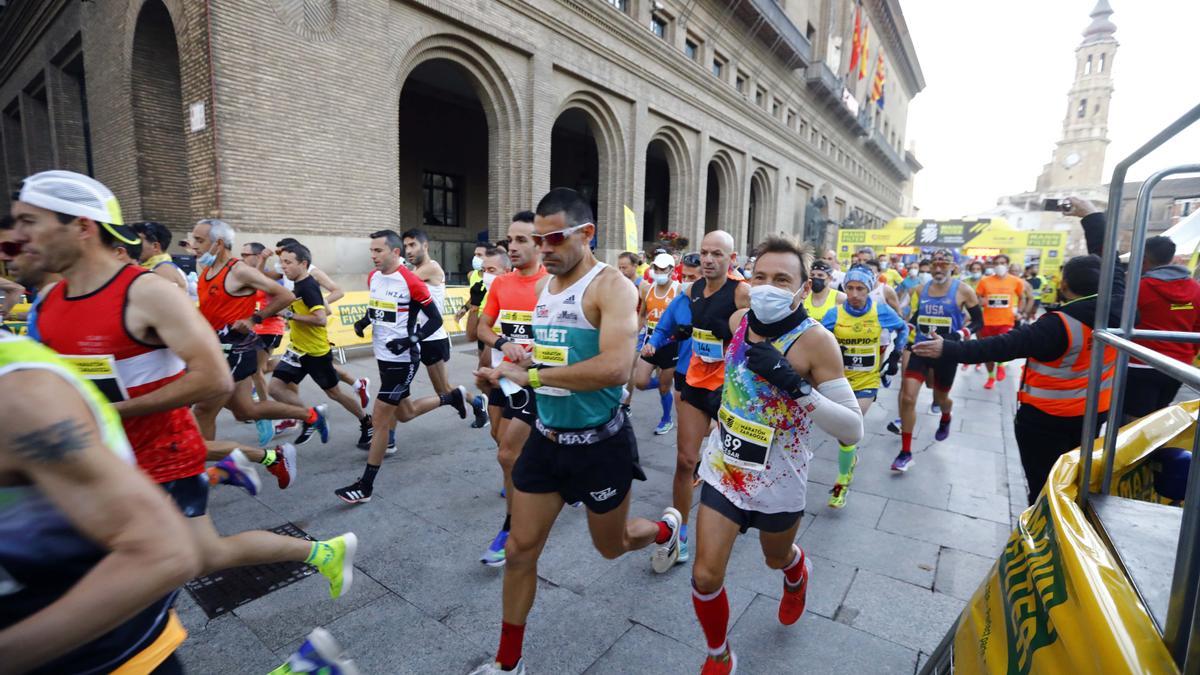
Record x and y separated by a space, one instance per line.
1057 601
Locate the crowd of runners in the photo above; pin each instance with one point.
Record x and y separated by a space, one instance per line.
748 356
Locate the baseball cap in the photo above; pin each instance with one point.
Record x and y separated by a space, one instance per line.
663 260
77 195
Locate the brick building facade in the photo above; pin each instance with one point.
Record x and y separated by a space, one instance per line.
329 119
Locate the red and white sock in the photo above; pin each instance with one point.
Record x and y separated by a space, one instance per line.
794 571
712 609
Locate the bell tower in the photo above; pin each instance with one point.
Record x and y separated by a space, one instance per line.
1079 155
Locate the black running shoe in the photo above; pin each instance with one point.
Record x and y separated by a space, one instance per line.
354 494
306 432
366 431
458 399
479 405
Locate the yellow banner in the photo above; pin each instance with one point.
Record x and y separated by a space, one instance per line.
631 230
1057 601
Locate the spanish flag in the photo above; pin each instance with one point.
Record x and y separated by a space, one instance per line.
866 50
856 40
880 78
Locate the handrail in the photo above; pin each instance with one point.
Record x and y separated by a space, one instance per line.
1189 375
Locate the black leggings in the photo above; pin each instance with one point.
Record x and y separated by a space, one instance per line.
1041 440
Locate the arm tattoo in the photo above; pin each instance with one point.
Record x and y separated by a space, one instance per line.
52 443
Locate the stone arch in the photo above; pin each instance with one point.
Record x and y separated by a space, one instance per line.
760 214
721 192
605 129
671 143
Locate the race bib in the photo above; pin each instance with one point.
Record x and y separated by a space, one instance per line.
999 301
707 346
382 311
291 357
100 371
550 356
745 444
860 358
928 325
516 326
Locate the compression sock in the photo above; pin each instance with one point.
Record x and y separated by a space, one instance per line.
511 638
845 462
906 441
667 400
712 609
368 477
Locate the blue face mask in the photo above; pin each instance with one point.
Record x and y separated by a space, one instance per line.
207 259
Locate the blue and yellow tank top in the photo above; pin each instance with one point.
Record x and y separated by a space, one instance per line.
940 314
860 340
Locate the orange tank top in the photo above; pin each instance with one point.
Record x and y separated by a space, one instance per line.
217 305
655 305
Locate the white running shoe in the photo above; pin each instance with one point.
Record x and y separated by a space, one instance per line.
667 553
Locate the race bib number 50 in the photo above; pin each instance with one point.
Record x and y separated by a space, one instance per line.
745 444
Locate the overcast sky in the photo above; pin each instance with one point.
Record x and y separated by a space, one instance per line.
997 76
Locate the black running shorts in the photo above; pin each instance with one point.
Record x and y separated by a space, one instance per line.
521 406
939 373
189 494
293 368
395 378
707 400
599 475
664 358
763 522
435 351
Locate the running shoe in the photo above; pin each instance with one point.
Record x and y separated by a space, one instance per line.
663 427
667 553
894 426
321 426
935 409
283 425
493 668
479 404
355 493
902 462
837 496
458 400
319 654
725 664
391 448
240 472
363 388
885 381
791 605
334 559
494 555
266 431
685 553
284 469
365 432
943 431
1000 374
990 384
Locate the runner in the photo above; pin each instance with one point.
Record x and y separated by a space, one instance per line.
861 326
270 336
308 352
506 328
654 299
783 374
824 296
836 274
940 309
714 298
627 265
435 349
476 295
397 296
584 449
496 263
91 553
156 239
138 339
227 289
882 293
1002 294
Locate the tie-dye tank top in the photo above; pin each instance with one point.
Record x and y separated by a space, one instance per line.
758 454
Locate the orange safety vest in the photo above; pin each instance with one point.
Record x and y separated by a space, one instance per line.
1059 387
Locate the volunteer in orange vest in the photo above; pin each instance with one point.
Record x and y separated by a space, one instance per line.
1058 346
1001 295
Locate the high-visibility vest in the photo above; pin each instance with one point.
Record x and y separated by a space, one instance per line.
1059 387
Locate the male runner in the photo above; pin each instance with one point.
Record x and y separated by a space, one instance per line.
713 300
824 296
308 352
654 299
496 264
506 328
861 326
1002 295
940 308
627 265
782 375
156 239
270 331
137 337
397 297
435 349
227 289
584 449
881 292
91 553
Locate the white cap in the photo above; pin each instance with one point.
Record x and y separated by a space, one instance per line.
663 260
73 194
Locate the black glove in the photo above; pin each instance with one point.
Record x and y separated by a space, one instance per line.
360 326
476 294
683 332
400 345
765 361
893 363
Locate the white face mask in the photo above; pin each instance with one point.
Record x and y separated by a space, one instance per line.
488 278
476 263
279 268
988 272
1001 270
925 277
883 264
771 303
662 278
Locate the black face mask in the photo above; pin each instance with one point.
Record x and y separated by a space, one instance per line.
818 285
774 330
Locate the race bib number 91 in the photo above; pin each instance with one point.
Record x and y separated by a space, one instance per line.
860 358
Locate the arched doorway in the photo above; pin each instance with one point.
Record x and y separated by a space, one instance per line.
720 205
162 162
712 199
443 160
657 213
757 224
575 156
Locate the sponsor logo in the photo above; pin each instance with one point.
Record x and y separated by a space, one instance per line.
604 494
567 316
570 300
542 311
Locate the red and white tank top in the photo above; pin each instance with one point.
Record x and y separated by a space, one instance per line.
89 332
394 305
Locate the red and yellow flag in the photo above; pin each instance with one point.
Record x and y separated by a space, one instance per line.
864 46
856 40
880 78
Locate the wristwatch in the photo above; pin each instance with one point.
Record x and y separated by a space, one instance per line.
500 342
804 388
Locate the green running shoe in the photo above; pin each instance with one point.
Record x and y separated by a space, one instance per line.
334 559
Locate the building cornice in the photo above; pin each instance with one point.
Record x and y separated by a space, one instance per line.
903 52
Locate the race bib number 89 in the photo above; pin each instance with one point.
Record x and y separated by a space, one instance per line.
745 444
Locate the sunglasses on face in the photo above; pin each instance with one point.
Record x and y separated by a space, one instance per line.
557 237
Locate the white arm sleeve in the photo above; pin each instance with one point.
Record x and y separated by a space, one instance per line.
834 409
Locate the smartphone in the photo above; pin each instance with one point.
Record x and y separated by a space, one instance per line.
1063 205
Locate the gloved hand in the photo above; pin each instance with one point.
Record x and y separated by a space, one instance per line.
360 326
683 332
893 363
404 344
768 363
476 293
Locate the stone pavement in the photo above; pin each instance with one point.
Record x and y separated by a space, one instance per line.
891 571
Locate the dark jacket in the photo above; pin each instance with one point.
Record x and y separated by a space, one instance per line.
1045 339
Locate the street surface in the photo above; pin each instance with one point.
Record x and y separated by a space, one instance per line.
891 571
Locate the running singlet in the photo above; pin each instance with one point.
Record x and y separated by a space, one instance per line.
999 298
656 304
42 555
272 325
510 301
306 338
938 314
860 339
758 455
563 336
438 293
89 332
222 309
710 330
818 311
394 303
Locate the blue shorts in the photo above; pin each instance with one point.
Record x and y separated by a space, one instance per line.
872 394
